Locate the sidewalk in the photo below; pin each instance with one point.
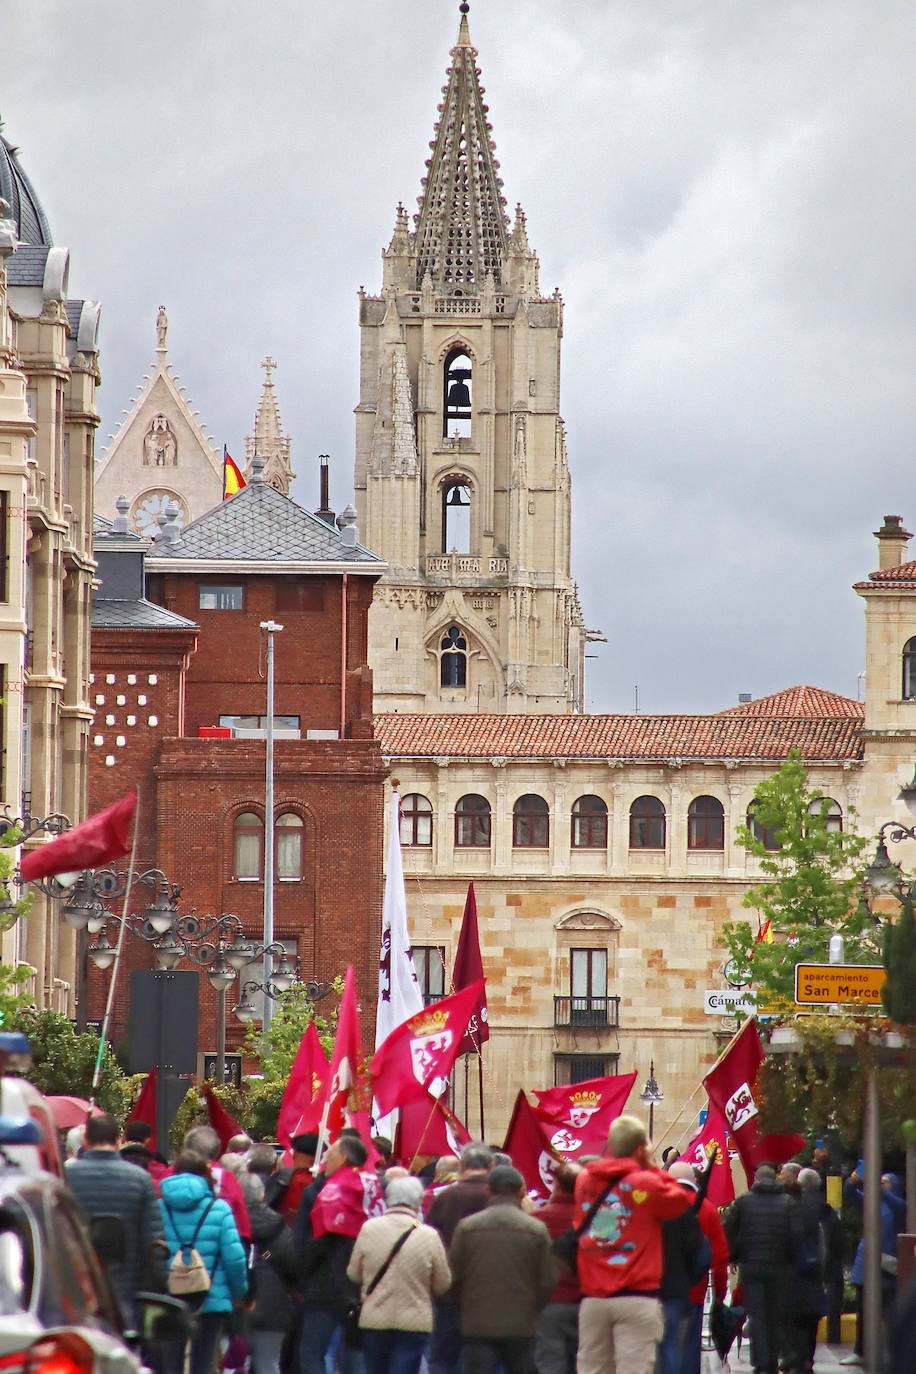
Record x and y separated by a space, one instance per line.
827 1360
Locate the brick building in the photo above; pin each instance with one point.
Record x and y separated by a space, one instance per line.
170 669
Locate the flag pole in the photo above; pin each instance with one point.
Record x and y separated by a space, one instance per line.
96 1074
658 1143
466 1107
483 1133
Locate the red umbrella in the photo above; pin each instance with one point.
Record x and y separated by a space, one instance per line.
71 1111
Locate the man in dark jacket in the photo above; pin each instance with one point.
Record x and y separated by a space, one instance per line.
449 1206
503 1272
819 1236
323 1259
105 1185
761 1232
556 1338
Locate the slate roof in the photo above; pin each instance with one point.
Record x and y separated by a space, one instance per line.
136 615
810 702
752 737
15 187
899 574
258 524
27 266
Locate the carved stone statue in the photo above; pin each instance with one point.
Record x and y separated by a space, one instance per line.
160 448
162 326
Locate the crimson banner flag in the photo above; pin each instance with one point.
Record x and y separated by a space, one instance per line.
300 1110
341 1096
98 840
730 1087
346 1201
469 969
710 1143
428 1126
144 1109
528 1146
579 1115
422 1048
223 1122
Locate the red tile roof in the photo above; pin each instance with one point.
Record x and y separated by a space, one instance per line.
808 702
830 737
898 573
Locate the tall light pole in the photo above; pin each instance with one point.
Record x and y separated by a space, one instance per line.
650 1095
271 627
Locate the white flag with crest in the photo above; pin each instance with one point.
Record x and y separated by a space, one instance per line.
399 994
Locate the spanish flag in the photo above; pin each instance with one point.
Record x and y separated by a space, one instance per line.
233 480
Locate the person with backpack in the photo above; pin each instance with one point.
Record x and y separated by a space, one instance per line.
686 1259
207 1263
820 1235
273 1273
762 1233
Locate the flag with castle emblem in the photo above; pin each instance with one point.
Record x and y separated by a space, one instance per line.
579 1115
300 1110
528 1144
729 1084
422 1049
710 1144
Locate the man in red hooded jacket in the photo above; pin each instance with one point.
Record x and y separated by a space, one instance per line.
620 1252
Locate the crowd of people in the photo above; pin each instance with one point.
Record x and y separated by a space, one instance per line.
374 1269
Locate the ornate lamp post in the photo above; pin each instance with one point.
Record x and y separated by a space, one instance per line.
650 1095
283 980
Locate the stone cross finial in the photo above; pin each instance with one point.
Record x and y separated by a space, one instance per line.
268 365
162 329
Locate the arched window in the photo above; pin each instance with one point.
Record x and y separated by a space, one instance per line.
764 833
831 811
472 822
530 823
416 820
589 823
453 659
456 516
248 846
288 845
909 670
647 824
456 395
705 824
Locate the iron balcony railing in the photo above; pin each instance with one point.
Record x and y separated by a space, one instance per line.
586 1011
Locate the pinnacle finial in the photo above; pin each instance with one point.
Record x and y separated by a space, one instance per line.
464 34
162 328
268 365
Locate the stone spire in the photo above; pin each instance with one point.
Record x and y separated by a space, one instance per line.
461 227
268 439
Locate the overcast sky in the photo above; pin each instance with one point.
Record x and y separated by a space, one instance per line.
723 191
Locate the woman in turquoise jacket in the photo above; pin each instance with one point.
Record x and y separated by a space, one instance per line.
186 1196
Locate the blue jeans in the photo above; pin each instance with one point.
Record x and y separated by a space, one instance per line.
393 1352
674 1314
318 1327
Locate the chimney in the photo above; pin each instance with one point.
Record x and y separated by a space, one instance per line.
346 523
892 541
324 511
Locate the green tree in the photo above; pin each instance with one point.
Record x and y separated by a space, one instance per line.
294 1011
811 888
63 1061
899 956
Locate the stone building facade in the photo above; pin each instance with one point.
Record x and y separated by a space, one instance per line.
462 480
48 418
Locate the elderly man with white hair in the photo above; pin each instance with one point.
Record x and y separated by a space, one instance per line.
400 1265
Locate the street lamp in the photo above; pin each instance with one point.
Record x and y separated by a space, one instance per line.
650 1095
270 627
313 990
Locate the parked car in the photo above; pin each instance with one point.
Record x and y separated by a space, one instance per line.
20 1100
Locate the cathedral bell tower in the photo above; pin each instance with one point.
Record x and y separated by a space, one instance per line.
461 475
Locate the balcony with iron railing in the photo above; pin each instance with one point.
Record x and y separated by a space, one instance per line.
597 1013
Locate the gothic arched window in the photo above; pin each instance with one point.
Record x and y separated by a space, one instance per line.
647 824
456 516
456 395
909 670
705 824
831 811
589 823
472 822
530 823
453 659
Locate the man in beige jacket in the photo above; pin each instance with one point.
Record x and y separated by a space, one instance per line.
397 1316
503 1273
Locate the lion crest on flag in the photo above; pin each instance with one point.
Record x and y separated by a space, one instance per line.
431 1035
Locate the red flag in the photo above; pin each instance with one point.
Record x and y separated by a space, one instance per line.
427 1126
579 1115
300 1110
346 1201
528 1147
144 1109
422 1048
342 1099
223 1122
710 1143
469 969
729 1085
98 840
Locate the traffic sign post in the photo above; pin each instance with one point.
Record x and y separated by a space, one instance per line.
828 984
